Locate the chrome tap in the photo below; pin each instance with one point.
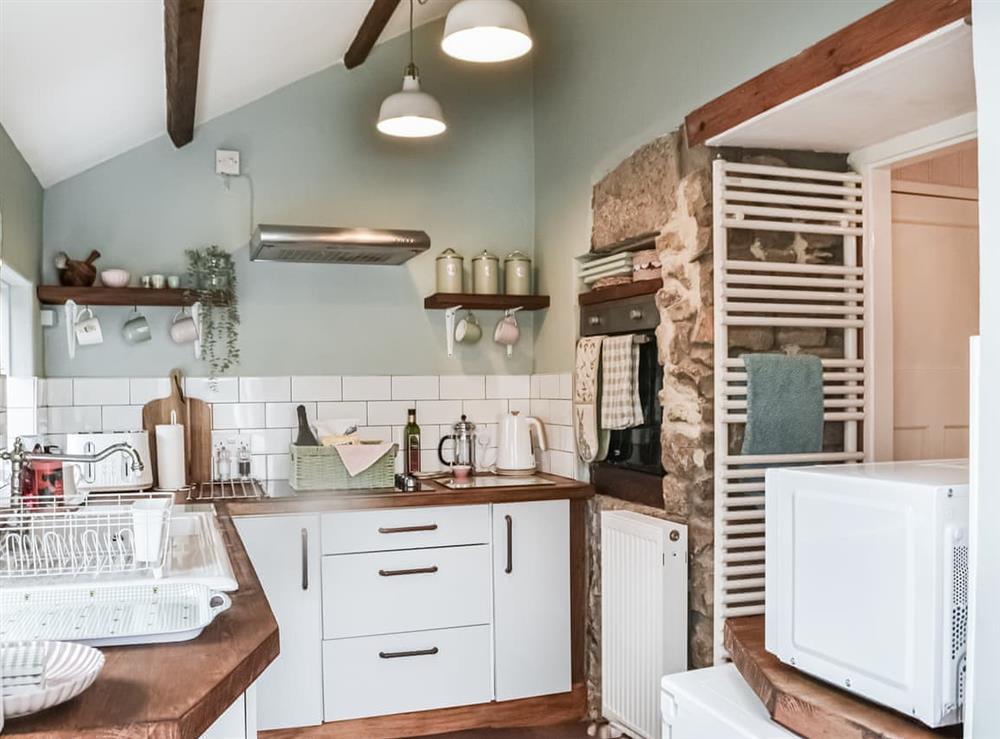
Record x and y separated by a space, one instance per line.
19 457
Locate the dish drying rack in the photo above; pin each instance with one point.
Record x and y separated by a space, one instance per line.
40 536
234 489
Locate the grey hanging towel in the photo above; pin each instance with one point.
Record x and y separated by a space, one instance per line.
784 404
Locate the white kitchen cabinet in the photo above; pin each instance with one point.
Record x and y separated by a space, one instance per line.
239 721
531 611
285 552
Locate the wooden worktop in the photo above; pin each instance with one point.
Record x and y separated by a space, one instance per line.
809 706
176 691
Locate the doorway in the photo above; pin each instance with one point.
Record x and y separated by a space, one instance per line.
935 301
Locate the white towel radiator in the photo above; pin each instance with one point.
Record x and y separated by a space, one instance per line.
789 295
644 616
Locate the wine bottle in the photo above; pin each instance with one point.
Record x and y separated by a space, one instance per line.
411 443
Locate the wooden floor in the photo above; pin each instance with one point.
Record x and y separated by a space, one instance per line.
562 731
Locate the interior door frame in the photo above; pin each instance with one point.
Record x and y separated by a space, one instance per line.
875 163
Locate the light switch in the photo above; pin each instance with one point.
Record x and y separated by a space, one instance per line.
227 162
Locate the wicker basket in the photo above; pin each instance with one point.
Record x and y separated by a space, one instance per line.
320 468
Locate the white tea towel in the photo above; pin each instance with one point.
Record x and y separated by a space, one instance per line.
359 457
621 407
591 441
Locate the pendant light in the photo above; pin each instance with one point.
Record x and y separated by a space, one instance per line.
411 113
486 31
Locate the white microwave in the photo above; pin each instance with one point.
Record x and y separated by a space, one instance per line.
866 580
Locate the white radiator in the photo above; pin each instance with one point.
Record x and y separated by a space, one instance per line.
644 616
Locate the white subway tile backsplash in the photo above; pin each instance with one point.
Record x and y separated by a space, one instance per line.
463 387
27 422
536 386
371 387
415 387
223 390
269 441
566 386
354 409
389 412
68 419
121 418
561 412
55 391
144 389
484 411
549 386
278 466
430 435
285 415
562 463
316 388
258 466
438 411
521 405
375 433
100 391
540 409
508 386
265 389
238 415
429 461
21 392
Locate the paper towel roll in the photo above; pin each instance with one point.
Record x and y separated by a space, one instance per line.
170 469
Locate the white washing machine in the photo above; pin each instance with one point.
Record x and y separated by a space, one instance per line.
715 703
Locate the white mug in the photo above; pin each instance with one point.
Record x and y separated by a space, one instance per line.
183 330
88 328
507 332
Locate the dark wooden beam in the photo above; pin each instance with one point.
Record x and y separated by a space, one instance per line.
182 34
891 26
371 28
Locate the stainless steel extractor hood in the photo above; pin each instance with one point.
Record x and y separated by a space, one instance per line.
322 245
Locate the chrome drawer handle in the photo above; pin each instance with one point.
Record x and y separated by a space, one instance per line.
415 653
594 320
415 571
407 529
635 314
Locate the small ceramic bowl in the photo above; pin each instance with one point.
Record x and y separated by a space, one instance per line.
115 278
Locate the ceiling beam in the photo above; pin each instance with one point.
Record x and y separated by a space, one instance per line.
371 28
182 34
876 34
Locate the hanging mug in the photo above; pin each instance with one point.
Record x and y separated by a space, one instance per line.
136 329
468 331
183 329
88 328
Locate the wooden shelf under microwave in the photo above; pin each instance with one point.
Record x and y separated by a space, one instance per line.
443 301
617 292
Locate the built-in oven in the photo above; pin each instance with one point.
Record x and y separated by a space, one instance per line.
633 468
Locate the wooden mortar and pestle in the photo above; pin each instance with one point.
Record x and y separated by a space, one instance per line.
74 273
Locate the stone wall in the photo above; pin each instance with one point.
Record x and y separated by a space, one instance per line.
666 186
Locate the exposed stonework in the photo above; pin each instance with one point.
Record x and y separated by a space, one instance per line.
634 198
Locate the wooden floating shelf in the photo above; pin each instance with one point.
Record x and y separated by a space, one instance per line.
443 301
146 296
617 292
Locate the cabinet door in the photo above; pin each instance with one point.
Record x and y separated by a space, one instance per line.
531 598
284 551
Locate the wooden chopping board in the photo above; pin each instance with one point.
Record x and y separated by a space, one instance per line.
196 417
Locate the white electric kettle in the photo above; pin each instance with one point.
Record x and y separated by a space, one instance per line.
514 452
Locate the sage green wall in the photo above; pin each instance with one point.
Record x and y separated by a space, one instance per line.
21 209
316 158
610 76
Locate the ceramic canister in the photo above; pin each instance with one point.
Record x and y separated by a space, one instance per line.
486 274
517 273
449 272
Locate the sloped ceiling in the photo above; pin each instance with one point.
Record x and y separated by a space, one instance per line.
82 81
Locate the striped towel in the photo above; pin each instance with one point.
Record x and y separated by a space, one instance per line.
621 407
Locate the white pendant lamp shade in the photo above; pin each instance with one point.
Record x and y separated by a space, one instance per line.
411 113
486 31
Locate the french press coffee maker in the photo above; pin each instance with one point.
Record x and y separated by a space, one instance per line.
464 450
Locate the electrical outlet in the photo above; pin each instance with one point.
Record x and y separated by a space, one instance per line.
227 162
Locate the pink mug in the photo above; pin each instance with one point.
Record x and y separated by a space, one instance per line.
183 330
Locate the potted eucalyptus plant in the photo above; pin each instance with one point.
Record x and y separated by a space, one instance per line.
212 282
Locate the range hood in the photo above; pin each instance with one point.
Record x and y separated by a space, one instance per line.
322 245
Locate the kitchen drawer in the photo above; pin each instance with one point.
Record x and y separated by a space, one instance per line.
379 675
405 528
385 592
